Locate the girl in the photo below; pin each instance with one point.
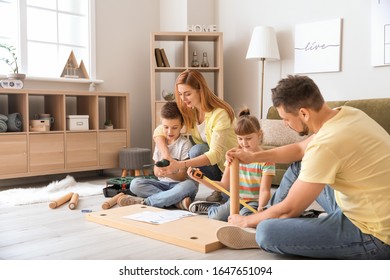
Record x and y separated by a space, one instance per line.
254 178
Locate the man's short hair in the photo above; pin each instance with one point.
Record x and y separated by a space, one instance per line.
295 92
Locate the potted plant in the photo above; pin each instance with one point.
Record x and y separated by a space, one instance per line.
108 124
12 62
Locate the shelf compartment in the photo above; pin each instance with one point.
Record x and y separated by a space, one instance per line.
113 108
83 105
48 104
14 103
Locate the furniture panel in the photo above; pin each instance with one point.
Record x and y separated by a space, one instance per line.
179 48
13 155
43 152
110 142
46 152
81 149
52 104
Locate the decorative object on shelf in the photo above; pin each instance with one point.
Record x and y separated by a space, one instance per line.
15 122
70 70
263 45
3 123
73 70
81 71
39 125
157 53
164 58
161 58
195 62
45 117
108 124
202 28
205 61
168 95
12 83
12 62
77 122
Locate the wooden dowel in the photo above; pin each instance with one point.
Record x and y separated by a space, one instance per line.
234 187
74 201
111 202
56 203
218 187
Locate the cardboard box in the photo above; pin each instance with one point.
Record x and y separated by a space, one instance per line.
77 122
39 125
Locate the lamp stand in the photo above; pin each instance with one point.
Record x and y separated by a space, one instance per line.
262 87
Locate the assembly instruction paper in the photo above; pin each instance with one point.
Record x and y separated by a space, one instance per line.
159 217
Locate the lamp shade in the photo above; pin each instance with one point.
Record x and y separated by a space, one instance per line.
263 44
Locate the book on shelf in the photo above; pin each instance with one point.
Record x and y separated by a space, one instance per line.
159 61
164 58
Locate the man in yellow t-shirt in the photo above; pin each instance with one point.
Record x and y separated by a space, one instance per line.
344 165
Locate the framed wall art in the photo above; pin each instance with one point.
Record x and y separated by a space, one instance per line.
318 46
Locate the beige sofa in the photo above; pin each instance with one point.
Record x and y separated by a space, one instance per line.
277 134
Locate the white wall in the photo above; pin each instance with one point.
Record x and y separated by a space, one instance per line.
357 79
123 30
124 26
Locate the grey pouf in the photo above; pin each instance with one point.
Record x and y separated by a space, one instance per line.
134 159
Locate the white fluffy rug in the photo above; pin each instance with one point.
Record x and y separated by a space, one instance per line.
55 190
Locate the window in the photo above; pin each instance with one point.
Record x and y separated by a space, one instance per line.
45 32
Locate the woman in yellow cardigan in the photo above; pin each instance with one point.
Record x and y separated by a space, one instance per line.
210 122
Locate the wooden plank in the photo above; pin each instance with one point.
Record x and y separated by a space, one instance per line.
197 233
234 187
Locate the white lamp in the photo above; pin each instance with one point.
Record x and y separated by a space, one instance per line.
263 46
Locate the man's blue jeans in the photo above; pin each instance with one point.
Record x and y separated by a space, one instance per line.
331 237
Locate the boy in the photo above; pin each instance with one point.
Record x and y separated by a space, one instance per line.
170 188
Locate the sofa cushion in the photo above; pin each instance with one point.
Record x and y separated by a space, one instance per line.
378 109
276 133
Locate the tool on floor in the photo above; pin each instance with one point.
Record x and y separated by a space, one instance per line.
74 201
111 202
198 174
56 203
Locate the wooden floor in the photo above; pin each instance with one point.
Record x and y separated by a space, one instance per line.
38 232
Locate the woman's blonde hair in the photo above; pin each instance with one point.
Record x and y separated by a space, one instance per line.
209 101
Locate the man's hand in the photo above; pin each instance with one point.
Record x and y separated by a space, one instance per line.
238 220
240 154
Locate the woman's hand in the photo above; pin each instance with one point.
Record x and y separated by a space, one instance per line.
190 171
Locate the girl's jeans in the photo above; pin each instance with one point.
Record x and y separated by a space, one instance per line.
222 212
331 237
